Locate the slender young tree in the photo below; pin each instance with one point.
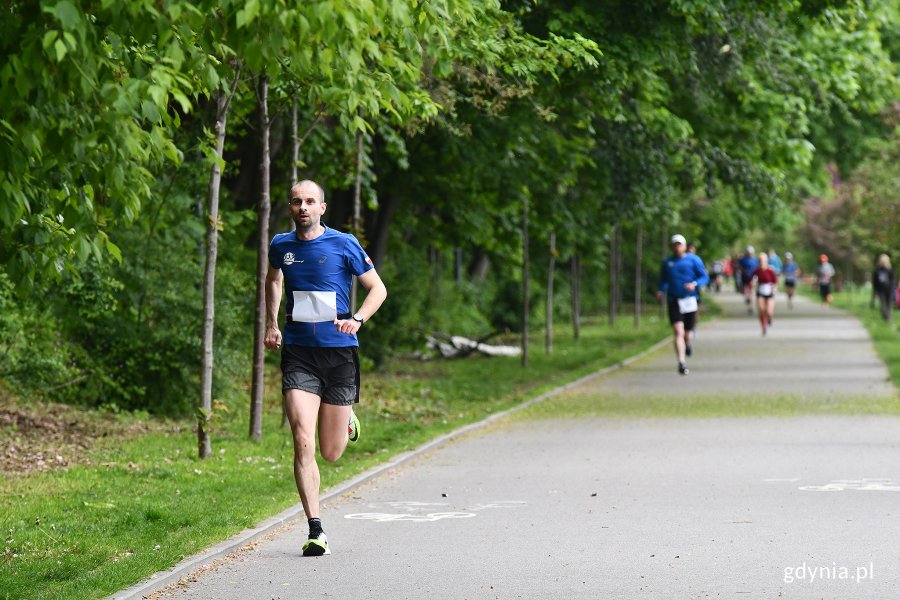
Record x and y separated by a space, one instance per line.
576 295
357 207
525 304
204 412
638 273
548 341
613 275
262 263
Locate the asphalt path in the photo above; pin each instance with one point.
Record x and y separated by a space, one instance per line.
755 507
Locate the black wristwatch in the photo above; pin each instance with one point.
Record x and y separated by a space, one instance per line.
358 317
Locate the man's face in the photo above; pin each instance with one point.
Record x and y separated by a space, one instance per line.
307 207
678 249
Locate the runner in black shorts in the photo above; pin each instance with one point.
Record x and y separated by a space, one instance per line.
680 276
319 361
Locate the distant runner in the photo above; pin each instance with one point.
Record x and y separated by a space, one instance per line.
791 272
883 285
824 274
748 265
680 276
766 282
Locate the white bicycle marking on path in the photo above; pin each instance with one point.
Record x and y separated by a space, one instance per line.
862 485
426 518
421 517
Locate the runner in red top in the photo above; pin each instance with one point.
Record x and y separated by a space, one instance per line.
766 282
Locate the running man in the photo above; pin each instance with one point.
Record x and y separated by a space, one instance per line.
319 360
791 272
748 264
824 274
680 276
766 282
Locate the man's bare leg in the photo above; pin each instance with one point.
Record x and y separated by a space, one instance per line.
302 410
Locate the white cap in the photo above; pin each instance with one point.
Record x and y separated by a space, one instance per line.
678 239
788 255
750 250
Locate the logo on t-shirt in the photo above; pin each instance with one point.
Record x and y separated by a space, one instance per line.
322 260
288 258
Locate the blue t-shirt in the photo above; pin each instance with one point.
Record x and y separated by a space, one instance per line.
317 273
675 272
748 265
790 271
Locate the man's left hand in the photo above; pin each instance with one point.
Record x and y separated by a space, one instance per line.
348 326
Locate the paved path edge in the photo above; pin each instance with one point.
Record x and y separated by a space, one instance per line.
162 579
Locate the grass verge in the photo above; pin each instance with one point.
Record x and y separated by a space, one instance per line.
885 334
140 503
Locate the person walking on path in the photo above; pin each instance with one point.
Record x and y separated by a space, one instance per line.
319 357
791 272
883 285
766 282
824 275
680 276
748 264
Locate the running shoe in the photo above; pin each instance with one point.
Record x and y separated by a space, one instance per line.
316 546
353 427
682 368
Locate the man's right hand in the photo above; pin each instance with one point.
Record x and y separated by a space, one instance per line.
273 337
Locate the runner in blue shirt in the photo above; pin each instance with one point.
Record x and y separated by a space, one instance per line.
319 360
748 263
680 276
791 272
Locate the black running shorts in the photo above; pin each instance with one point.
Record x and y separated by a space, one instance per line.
675 316
332 374
824 290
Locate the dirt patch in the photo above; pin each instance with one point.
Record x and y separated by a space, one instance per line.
45 436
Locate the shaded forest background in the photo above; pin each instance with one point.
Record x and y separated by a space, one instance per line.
445 133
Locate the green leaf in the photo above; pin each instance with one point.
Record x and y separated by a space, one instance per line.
49 38
114 250
67 14
61 50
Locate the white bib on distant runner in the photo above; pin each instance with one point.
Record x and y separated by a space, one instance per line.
687 305
765 289
314 307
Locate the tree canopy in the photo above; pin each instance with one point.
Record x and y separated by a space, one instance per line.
714 118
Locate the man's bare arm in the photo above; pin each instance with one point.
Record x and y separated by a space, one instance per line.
274 279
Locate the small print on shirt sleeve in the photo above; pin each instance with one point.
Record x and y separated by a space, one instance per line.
357 258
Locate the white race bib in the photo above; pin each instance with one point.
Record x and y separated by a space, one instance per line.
314 307
765 289
687 305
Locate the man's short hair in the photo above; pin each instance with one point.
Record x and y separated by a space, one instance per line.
310 181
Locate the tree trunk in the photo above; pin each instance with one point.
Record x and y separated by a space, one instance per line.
387 207
457 267
548 342
576 295
262 262
638 273
357 211
204 413
665 253
295 145
525 304
620 271
613 275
